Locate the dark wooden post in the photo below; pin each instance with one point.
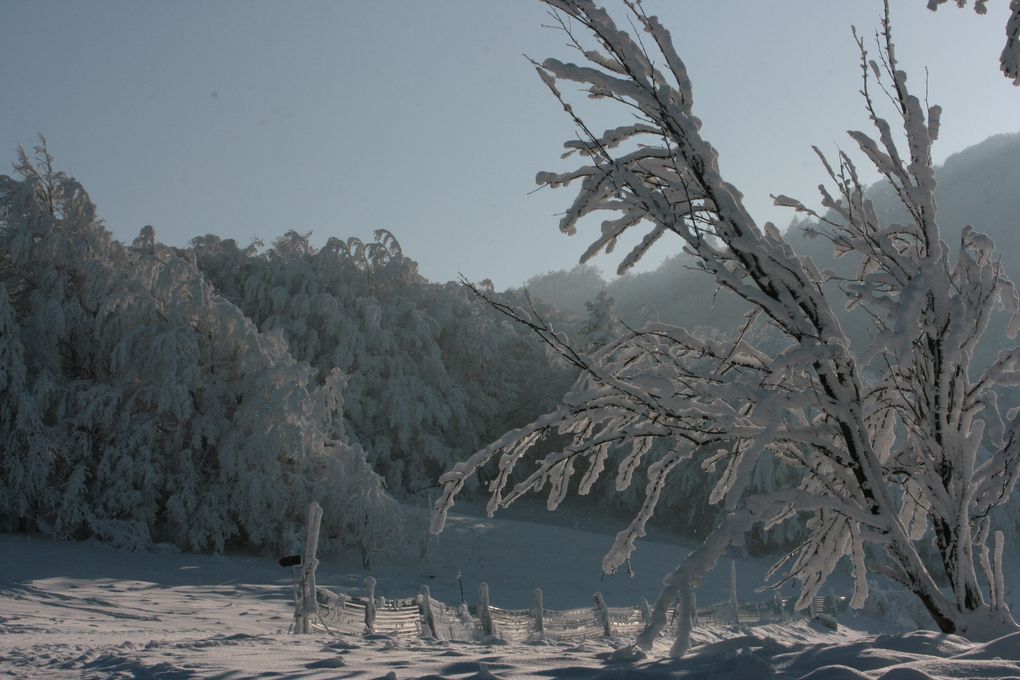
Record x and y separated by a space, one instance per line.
425 608
370 605
536 611
602 615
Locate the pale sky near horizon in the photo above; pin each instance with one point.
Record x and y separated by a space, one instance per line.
248 118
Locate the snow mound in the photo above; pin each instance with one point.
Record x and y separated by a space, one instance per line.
905 673
836 673
923 642
1005 648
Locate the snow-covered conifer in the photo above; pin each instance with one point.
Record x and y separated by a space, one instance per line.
601 325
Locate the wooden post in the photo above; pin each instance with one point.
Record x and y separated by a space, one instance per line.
484 615
646 612
425 608
536 611
370 605
307 607
834 599
734 605
602 615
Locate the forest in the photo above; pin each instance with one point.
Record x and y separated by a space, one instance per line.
369 367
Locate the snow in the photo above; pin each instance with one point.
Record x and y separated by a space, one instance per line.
86 610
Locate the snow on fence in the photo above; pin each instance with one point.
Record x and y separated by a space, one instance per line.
320 609
424 615
341 613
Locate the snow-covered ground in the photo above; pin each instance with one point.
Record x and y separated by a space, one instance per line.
85 610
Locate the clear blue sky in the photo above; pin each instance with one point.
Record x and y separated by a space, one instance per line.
248 118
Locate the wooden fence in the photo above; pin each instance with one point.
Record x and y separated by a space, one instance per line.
321 609
424 615
341 613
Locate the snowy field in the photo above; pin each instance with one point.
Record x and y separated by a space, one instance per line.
70 610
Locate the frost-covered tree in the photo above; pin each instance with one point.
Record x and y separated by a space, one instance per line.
567 290
893 446
150 408
600 324
431 371
1009 61
22 477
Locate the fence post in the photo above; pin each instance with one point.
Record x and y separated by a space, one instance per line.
536 611
602 615
734 605
484 615
370 605
646 612
306 607
425 609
